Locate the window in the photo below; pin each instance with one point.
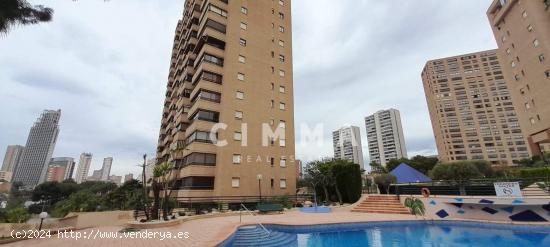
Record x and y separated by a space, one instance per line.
282 106
282 163
242 42
242 59
282 142
281 16
239 95
281 89
547 73
272 161
281 43
271 122
282 124
209 76
530 28
508 51
272 103
237 136
513 64
524 14
281 73
240 76
282 183
244 10
541 58
536 43
236 158
532 120
272 54
281 29
281 58
272 86
272 183
205 115
281 2
208 95
243 26
238 115
217 10
235 182
503 39
527 106
212 59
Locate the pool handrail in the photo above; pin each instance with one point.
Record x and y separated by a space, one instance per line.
251 214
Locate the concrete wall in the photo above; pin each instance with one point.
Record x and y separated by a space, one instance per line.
487 208
95 219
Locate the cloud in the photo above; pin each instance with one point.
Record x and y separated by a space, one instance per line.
105 65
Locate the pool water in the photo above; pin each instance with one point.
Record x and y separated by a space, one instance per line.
396 234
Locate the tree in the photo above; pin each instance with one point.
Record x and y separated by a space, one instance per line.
384 181
81 201
21 12
348 180
377 168
317 174
458 173
421 163
162 175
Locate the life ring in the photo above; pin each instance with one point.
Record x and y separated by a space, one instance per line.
425 192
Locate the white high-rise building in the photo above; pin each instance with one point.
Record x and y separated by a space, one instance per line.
83 167
347 145
106 168
33 164
385 136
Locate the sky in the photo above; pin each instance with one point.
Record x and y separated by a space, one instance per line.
105 65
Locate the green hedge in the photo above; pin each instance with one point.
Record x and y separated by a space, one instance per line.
534 172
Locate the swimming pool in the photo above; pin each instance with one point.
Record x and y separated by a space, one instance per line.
406 233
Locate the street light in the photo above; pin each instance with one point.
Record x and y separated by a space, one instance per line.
259 177
42 216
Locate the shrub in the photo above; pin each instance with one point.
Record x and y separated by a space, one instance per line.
17 215
534 172
384 181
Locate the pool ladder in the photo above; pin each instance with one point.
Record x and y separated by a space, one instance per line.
252 214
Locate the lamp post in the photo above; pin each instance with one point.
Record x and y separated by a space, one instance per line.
259 177
42 216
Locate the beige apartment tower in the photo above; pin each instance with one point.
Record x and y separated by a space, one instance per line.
230 84
522 32
471 110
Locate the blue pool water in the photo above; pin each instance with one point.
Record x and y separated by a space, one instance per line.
316 210
394 234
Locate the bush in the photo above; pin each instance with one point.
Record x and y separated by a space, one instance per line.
457 171
384 181
17 215
534 172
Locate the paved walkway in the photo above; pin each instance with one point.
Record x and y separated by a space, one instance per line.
206 232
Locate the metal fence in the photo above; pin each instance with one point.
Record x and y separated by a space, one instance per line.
474 187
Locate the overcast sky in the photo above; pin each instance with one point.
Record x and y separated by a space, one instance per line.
105 64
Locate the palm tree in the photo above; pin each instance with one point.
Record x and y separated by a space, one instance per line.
162 174
21 12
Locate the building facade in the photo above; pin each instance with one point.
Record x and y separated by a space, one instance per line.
385 136
64 167
347 145
522 32
13 154
106 168
84 164
230 82
471 110
33 164
128 177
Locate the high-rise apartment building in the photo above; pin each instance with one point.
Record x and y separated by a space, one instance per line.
33 164
230 84
13 154
83 167
128 177
522 31
471 109
60 168
385 136
106 168
347 145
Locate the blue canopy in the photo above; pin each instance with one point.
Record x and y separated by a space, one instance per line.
406 174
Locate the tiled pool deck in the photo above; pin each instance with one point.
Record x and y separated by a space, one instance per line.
212 231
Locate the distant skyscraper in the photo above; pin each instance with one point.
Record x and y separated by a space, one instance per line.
106 168
471 110
33 165
83 167
385 136
347 145
128 177
63 168
13 154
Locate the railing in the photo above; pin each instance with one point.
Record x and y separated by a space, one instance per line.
473 187
251 214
